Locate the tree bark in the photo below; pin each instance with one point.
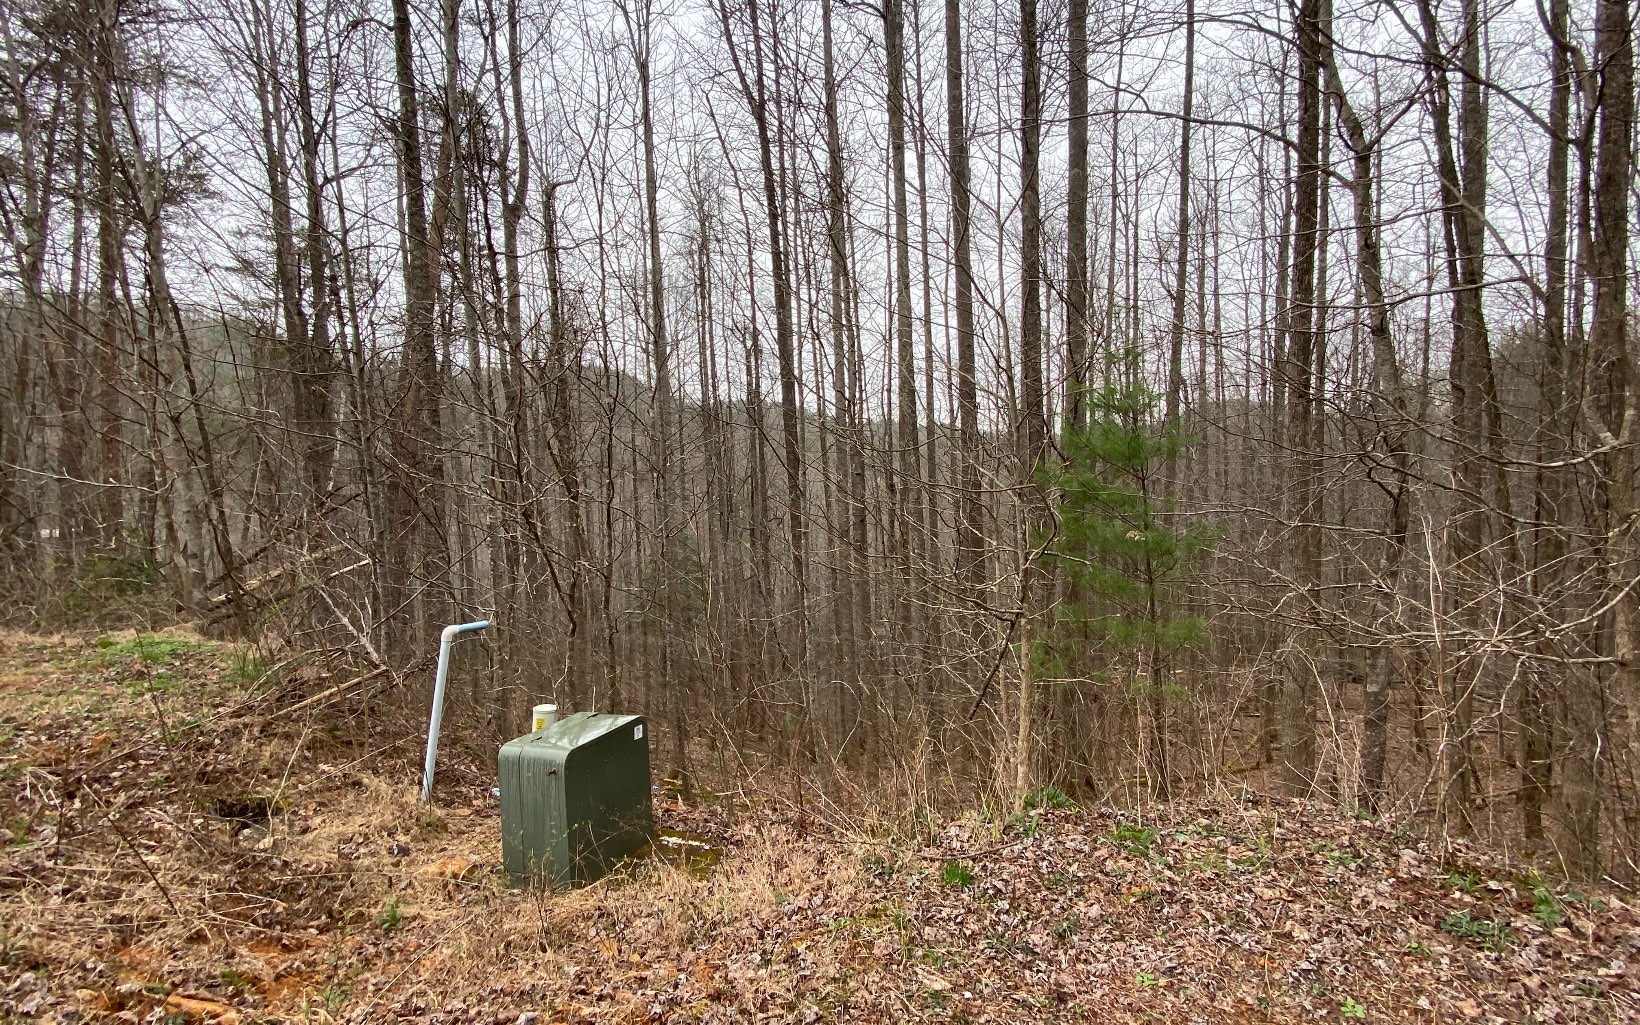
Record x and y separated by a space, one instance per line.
1298 750
1078 337
755 92
640 27
1615 395
415 529
970 538
1544 712
1463 190
847 451
313 364
1387 463
909 490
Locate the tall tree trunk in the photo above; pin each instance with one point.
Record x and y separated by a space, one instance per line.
416 506
931 463
755 91
1387 462
908 485
1078 337
1298 748
105 391
1033 427
970 541
1545 712
1160 671
847 451
312 362
1032 430
563 447
451 214
286 261
908 490
1615 395
1463 190
640 28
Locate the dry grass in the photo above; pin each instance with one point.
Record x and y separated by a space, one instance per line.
165 857
291 873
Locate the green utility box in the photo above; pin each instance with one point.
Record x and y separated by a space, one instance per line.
575 799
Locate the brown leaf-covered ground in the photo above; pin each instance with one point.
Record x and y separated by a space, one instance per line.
166 856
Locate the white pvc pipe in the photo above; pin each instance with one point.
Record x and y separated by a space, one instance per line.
445 639
543 716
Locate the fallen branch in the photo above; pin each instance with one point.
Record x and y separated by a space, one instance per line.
331 692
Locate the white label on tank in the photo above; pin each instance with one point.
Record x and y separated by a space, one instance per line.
637 732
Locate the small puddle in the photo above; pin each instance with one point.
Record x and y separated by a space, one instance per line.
693 854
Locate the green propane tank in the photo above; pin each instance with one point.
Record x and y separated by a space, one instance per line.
575 799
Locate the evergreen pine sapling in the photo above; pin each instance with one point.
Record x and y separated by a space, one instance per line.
1124 556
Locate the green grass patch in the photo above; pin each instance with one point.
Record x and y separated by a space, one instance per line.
1137 840
956 875
1026 824
391 916
1547 909
1494 936
1465 880
1049 797
161 682
246 667
234 979
151 649
18 828
1213 863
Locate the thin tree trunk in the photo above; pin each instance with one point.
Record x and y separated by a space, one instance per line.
1541 715
640 27
847 449
1615 395
1160 670
970 540
1298 749
1388 466
1032 430
416 508
1463 191
313 362
908 490
755 92
1077 335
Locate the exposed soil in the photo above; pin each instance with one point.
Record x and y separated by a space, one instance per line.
165 857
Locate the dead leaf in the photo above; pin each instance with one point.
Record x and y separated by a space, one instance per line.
96 999
931 981
199 1009
450 868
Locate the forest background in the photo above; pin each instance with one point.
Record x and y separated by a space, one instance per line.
935 401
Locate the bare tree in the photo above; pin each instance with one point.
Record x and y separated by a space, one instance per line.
326 376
